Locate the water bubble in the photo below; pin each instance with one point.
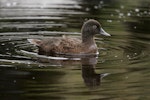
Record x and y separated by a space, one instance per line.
145 12
128 14
101 2
33 78
95 7
109 21
135 53
3 44
7 49
137 10
14 3
128 56
134 27
8 4
28 63
121 14
14 81
12 62
122 7
116 56
40 66
87 9
9 39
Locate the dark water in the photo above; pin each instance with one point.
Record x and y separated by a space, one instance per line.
121 71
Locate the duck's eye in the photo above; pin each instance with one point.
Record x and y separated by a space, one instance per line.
94 27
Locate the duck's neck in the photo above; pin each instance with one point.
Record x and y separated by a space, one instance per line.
88 40
89 44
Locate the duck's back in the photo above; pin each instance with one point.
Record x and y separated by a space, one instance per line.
59 45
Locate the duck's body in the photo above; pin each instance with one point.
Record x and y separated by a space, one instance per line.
70 45
63 45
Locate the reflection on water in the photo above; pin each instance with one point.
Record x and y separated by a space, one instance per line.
90 77
121 70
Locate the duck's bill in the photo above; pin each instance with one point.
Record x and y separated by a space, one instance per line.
102 32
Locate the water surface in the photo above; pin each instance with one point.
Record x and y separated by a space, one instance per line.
120 72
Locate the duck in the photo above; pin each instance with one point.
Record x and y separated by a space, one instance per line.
71 45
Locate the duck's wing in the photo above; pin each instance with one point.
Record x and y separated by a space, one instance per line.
70 45
45 42
57 45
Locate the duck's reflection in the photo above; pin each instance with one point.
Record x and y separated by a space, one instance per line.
88 62
90 77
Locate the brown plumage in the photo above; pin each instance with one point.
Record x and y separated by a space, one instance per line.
70 45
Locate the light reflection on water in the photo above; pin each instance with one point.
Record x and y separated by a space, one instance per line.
121 70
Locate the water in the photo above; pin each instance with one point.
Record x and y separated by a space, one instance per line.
120 72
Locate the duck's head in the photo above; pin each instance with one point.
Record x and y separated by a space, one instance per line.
91 28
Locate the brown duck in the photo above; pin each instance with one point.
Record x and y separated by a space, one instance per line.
69 45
